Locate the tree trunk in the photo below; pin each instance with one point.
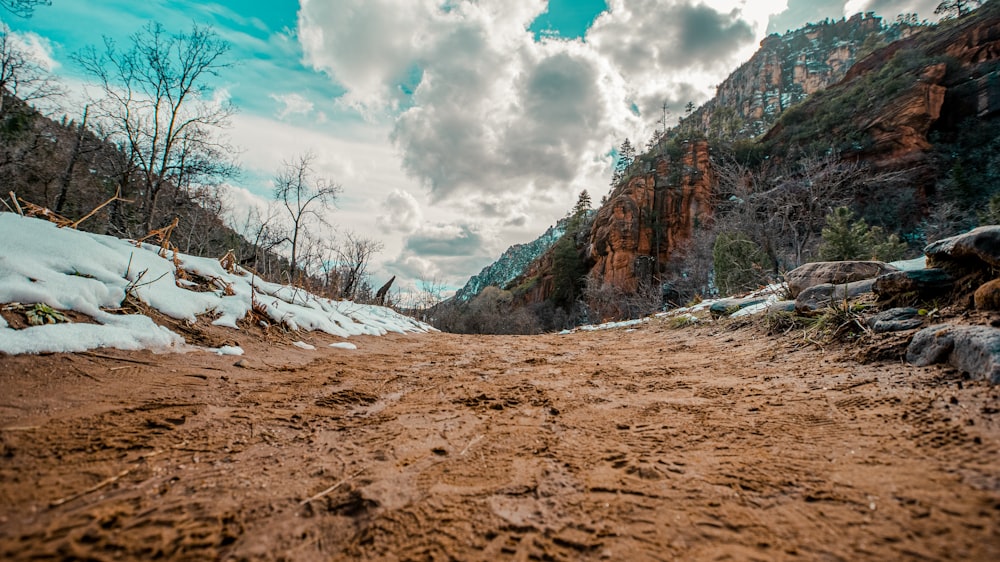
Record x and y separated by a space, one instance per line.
74 156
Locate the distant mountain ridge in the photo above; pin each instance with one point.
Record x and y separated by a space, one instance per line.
512 263
876 94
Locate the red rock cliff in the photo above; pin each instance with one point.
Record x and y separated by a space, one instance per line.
650 216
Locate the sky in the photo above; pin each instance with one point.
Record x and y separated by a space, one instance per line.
456 128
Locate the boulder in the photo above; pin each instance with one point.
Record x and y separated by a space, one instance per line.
976 248
834 272
987 296
971 349
922 282
895 320
820 296
725 307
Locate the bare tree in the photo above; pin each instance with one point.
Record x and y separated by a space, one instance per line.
22 76
156 107
81 149
258 228
23 8
353 256
783 208
304 197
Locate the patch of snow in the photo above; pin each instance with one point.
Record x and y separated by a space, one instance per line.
304 345
606 326
344 345
916 264
90 273
229 350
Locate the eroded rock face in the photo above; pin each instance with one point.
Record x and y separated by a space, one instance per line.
784 72
648 217
899 134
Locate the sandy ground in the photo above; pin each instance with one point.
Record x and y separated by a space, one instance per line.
706 443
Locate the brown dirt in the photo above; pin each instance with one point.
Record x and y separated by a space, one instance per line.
704 443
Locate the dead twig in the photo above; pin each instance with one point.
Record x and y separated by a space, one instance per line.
102 483
163 235
32 210
329 490
101 356
116 197
474 440
13 199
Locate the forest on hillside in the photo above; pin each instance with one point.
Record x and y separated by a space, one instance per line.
145 156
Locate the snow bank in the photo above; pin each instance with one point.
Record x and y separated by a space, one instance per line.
88 273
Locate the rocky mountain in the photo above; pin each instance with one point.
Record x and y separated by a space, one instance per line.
654 211
891 104
511 263
786 70
922 105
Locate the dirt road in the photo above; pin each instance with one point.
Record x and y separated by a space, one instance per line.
648 444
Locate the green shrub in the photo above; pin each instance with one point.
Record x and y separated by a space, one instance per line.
740 264
847 239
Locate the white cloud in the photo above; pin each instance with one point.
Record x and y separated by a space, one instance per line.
292 104
497 126
494 111
35 47
400 212
891 8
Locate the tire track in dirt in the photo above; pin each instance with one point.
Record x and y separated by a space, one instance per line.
651 444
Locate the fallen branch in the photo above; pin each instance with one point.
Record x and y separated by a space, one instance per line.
329 490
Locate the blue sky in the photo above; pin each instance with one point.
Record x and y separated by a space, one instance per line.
456 127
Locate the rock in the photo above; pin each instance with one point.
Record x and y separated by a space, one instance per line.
820 296
971 349
987 296
725 307
980 245
922 283
895 320
835 272
781 306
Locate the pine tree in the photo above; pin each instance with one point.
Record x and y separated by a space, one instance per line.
582 203
626 155
843 237
847 239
